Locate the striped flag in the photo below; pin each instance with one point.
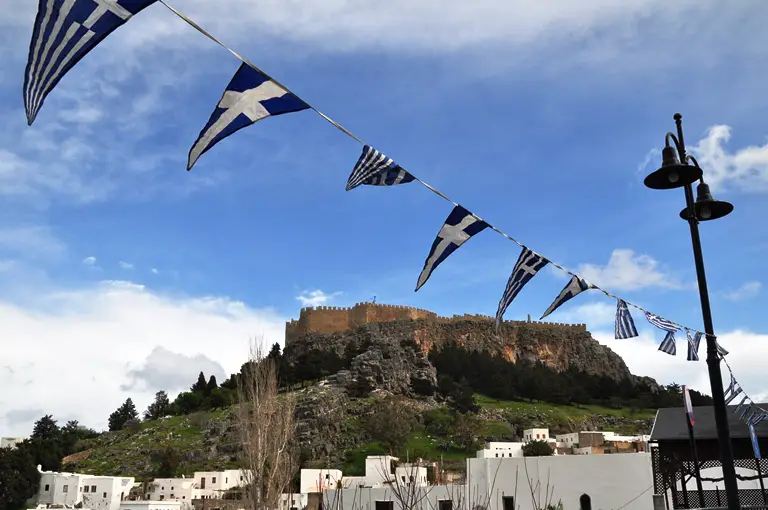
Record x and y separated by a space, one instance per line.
376 169
575 287
720 350
668 344
625 326
528 264
64 32
740 405
732 391
693 345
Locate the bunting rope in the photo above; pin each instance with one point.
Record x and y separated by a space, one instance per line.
746 400
423 183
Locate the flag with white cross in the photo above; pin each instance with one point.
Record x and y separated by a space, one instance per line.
528 264
625 326
668 344
63 33
250 97
693 345
573 288
457 229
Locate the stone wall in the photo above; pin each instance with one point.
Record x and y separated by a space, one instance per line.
332 319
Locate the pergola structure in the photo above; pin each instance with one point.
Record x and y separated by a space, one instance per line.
674 466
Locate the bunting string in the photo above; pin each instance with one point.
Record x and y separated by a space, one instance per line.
749 411
62 35
416 178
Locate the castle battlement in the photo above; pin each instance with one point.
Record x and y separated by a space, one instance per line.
332 319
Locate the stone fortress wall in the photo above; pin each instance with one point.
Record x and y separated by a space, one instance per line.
331 319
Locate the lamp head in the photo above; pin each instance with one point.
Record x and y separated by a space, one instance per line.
707 208
672 173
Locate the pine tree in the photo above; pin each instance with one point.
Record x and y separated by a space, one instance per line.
46 428
275 352
211 386
200 386
159 408
123 414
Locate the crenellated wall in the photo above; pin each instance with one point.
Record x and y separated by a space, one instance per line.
331 319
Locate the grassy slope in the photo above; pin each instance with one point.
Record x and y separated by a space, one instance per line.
127 453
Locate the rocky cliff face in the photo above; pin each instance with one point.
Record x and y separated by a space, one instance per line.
385 359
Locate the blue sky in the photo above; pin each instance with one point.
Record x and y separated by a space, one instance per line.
122 270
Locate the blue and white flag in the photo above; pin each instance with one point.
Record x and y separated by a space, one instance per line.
249 97
528 264
625 326
376 169
693 345
721 350
739 405
64 32
732 391
457 229
668 344
758 417
575 287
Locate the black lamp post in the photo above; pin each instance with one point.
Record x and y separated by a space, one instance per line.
676 172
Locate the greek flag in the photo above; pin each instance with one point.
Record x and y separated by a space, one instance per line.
668 344
376 169
758 417
740 405
625 326
732 391
64 32
693 345
575 287
249 97
528 264
720 350
457 229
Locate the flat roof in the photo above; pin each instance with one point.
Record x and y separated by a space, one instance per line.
671 424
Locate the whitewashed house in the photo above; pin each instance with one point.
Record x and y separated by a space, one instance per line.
213 484
174 489
94 492
411 474
150 505
319 480
293 501
10 442
567 440
535 435
606 481
500 450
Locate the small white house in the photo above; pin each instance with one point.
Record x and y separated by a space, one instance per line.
293 501
213 484
500 450
150 505
535 435
567 440
319 480
94 492
10 442
174 489
411 474
379 469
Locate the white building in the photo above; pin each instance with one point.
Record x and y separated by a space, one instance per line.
213 484
293 501
501 450
319 480
150 505
94 492
607 481
411 474
535 435
174 489
567 440
10 442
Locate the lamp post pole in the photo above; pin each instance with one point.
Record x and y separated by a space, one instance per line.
713 357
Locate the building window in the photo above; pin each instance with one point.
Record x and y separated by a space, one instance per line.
445 504
202 483
327 476
213 479
162 488
85 489
241 478
183 497
226 480
497 455
65 488
104 495
385 505
413 479
508 502
47 488
585 502
93 488
172 496
403 478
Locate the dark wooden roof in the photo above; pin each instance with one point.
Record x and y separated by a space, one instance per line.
670 424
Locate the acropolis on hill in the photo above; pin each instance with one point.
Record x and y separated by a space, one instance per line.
331 319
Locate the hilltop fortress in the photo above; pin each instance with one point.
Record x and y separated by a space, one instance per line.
332 319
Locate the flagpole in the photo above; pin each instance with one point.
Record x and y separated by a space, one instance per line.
697 471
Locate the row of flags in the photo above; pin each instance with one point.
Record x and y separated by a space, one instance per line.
747 410
66 30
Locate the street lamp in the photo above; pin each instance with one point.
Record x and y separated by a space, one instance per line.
677 172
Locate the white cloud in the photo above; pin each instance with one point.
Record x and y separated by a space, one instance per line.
628 271
746 291
125 265
89 261
154 271
642 356
315 297
597 314
30 242
745 169
71 350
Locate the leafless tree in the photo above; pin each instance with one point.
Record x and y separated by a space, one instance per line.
267 433
535 487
